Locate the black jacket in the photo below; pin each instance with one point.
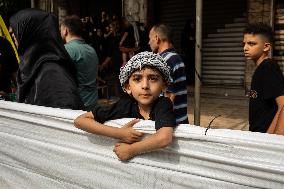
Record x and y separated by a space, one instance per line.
46 73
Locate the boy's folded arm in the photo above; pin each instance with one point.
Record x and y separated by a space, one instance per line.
130 135
87 123
161 139
127 134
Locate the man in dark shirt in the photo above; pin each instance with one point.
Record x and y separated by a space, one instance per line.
266 109
8 67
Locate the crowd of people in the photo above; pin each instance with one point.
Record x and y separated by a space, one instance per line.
115 41
62 68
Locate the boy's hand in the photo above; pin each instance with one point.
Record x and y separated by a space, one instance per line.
123 151
128 134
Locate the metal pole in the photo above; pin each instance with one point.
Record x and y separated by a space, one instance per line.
122 8
272 9
198 48
32 3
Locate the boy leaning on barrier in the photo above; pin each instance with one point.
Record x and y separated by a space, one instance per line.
144 77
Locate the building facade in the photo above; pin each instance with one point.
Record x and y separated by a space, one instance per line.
223 64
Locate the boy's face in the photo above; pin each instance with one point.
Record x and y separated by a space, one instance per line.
145 85
255 47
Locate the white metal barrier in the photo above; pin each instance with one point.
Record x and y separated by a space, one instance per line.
40 148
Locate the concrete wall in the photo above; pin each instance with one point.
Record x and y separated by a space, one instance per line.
258 11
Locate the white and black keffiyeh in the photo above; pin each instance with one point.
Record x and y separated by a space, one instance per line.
141 60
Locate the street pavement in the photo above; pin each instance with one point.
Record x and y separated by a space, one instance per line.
233 112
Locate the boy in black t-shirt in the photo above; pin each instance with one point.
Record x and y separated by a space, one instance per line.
143 78
266 108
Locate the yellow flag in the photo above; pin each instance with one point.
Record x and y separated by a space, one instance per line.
5 33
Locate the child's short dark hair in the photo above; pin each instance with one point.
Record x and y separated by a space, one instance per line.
261 29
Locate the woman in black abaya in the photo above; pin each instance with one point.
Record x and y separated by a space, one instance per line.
46 75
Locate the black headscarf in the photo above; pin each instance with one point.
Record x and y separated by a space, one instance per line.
39 42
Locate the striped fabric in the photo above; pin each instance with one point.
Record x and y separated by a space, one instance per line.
179 84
